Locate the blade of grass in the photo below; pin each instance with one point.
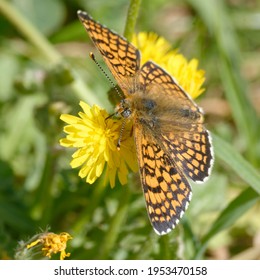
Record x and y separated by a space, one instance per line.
234 160
229 216
232 212
216 18
241 203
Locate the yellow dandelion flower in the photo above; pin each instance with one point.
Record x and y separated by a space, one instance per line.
96 136
153 47
157 49
52 244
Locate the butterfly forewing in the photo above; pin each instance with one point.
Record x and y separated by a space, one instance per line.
122 58
152 74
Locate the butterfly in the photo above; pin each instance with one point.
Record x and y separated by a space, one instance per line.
171 141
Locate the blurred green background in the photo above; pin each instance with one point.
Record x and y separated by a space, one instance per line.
45 71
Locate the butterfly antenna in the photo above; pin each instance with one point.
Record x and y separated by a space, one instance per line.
92 56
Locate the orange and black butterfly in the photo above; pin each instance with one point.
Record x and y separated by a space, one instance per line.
171 142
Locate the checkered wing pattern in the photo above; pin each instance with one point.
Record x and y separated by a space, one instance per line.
179 125
122 58
191 151
167 192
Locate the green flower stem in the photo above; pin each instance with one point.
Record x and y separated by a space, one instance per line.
189 235
43 201
131 18
165 247
86 215
32 34
115 225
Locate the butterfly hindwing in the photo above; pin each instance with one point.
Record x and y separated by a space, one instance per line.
167 192
191 151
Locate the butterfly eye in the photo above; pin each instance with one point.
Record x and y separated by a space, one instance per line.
126 113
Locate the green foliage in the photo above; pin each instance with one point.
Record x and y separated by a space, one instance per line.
45 71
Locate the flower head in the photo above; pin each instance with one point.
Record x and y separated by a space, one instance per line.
95 135
157 49
52 244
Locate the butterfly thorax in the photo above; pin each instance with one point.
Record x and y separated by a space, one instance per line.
157 111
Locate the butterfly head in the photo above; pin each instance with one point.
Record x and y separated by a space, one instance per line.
124 109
